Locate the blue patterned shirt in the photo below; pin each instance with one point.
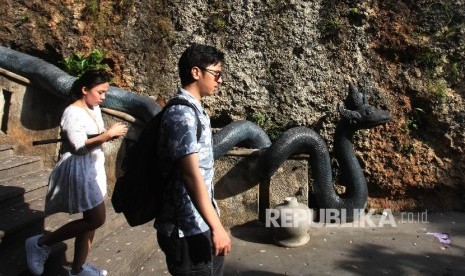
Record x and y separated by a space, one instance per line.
178 138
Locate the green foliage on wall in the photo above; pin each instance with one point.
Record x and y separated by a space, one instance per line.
273 130
429 59
438 88
23 18
77 64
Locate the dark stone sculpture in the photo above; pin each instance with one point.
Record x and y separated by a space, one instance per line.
355 114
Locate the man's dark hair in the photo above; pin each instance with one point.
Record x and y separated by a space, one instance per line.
197 55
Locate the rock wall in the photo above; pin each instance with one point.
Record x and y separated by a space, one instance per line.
289 63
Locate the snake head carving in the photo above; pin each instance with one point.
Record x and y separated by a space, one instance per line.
356 111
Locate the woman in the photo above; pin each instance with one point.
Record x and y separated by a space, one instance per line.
78 182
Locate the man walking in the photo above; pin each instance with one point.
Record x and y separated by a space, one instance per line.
189 230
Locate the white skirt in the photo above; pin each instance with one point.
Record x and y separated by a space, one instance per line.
77 183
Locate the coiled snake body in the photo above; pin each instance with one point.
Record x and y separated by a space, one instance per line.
355 114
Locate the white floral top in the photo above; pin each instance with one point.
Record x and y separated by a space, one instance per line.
78 180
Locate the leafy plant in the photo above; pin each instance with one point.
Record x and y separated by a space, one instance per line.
454 73
449 33
405 148
415 121
217 21
438 88
77 64
23 18
331 26
92 8
259 119
355 11
273 130
218 24
429 59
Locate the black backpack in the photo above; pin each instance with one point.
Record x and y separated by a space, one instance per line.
138 193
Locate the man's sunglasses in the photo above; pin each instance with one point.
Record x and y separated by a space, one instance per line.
215 73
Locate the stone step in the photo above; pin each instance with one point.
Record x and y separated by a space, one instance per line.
13 166
23 188
13 258
6 151
21 219
24 220
117 247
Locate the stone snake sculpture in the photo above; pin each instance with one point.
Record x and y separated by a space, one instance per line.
59 83
355 114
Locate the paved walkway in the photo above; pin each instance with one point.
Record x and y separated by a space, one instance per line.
409 248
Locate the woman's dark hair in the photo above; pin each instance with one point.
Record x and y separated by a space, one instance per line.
89 80
197 55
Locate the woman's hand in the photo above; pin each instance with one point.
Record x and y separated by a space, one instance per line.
117 130
114 132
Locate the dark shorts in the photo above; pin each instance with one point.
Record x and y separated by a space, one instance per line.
191 255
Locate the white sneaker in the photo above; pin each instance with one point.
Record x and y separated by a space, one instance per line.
36 256
90 270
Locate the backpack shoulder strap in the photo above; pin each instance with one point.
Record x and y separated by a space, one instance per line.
180 101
